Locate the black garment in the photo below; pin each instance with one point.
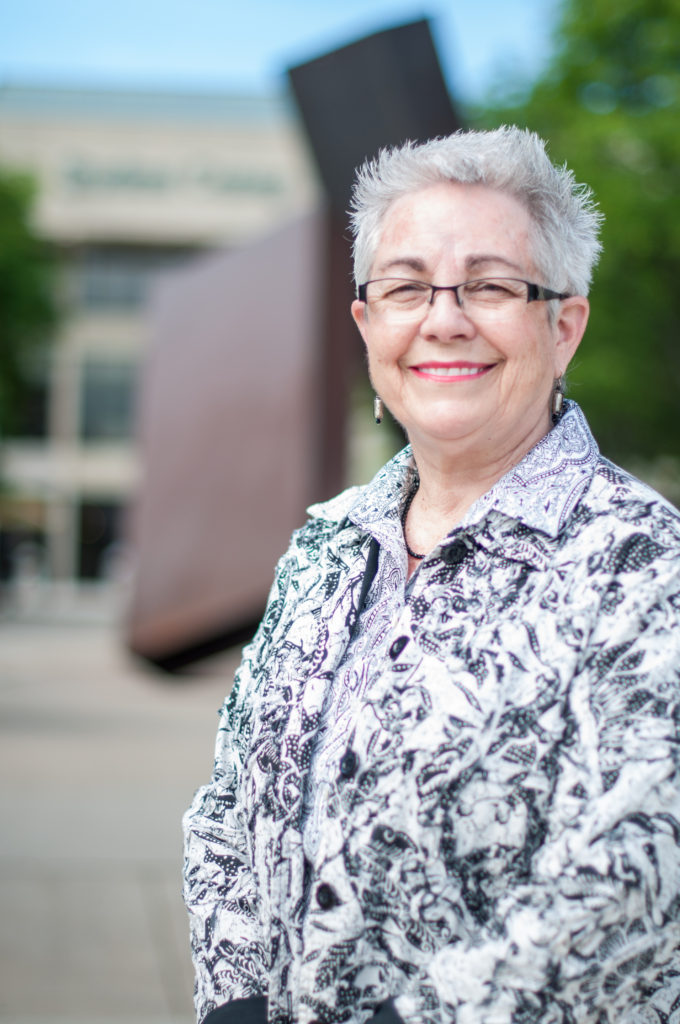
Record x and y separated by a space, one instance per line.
254 1011
240 1011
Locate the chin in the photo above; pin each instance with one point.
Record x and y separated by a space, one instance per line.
444 432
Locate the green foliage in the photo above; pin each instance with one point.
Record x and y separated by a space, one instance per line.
608 105
27 306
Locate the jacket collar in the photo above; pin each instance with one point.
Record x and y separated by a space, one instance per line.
543 489
540 492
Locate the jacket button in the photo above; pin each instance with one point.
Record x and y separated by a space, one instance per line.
455 554
325 896
348 764
398 646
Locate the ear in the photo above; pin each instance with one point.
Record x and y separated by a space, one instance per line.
360 316
569 328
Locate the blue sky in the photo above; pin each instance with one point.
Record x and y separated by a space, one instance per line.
245 45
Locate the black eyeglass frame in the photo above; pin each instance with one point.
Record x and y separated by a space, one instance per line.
535 292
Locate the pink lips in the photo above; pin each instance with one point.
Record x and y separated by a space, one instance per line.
451 372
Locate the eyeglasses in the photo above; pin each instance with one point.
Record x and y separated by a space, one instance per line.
397 298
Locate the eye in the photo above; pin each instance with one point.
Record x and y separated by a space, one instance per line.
402 291
486 285
399 287
493 289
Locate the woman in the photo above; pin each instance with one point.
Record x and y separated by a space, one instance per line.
446 782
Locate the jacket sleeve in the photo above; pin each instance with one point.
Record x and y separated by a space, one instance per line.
593 927
230 958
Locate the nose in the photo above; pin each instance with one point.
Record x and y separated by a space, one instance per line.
445 318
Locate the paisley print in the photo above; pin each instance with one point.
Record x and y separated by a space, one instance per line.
459 792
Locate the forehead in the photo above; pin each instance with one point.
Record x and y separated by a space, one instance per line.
470 224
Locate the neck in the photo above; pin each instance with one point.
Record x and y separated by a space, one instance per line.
452 479
448 490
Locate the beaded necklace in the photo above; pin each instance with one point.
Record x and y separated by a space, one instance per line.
404 514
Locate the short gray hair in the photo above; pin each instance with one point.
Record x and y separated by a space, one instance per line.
565 242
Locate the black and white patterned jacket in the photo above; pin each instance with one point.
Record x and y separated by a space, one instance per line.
503 840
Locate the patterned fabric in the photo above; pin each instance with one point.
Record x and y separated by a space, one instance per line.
362 663
501 839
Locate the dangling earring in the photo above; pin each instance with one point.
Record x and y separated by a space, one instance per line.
557 400
377 408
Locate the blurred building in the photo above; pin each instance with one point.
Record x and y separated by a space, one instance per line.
129 185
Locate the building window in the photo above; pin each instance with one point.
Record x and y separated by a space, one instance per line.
22 539
29 419
118 278
108 399
99 547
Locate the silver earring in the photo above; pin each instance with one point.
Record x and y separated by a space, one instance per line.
377 408
557 401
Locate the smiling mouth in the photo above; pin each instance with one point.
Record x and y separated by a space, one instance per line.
451 371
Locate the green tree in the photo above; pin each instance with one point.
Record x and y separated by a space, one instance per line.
608 105
27 303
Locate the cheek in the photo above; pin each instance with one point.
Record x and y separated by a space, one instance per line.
532 356
375 354
384 369
386 348
379 356
378 368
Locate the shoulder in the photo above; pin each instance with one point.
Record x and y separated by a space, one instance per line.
584 497
336 509
622 528
338 531
326 521
327 527
356 508
617 497
372 499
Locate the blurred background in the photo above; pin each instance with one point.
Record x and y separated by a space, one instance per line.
179 378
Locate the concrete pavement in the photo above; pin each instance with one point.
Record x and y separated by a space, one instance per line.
99 757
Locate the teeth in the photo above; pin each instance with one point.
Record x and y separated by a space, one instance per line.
452 371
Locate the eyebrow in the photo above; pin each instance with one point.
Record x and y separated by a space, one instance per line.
472 263
411 262
482 259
